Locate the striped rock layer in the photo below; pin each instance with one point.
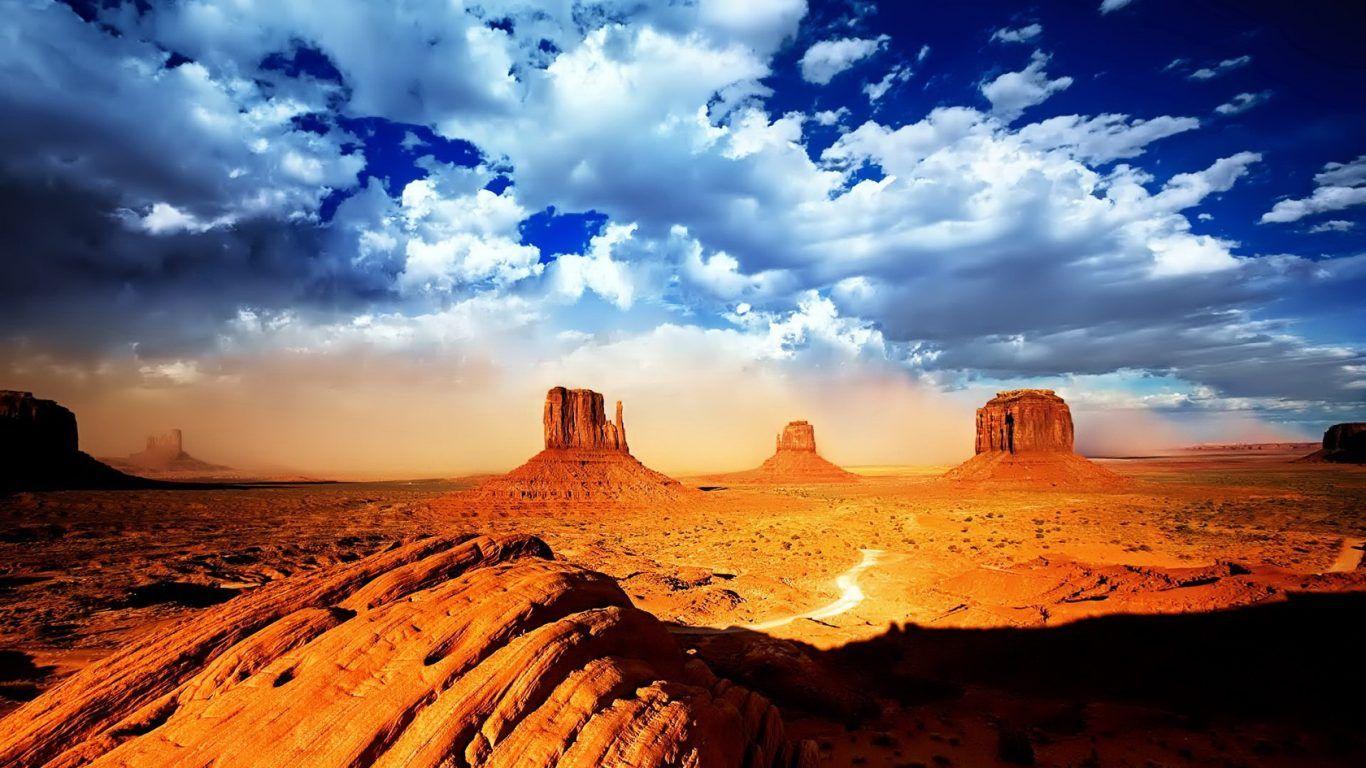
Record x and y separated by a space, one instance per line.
444 652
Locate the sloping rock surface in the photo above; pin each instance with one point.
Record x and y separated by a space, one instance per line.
444 652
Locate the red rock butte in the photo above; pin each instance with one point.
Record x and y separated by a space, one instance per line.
1025 437
794 461
164 457
586 460
474 651
1342 443
40 448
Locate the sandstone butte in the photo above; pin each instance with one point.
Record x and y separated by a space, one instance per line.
40 449
586 460
1025 437
1342 443
794 461
478 651
165 456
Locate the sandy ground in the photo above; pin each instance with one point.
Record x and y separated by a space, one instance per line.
1153 624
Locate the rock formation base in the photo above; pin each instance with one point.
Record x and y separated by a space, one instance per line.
571 476
1034 469
481 652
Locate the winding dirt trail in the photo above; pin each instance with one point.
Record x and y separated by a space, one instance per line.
850 595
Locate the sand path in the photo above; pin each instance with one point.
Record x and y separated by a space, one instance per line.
1349 557
850 595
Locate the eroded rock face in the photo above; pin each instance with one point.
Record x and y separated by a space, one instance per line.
39 448
1024 421
798 436
575 418
478 652
168 445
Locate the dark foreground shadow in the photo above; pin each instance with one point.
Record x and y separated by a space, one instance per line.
1302 658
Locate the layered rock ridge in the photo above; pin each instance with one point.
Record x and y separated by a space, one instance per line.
40 449
479 652
586 460
1025 436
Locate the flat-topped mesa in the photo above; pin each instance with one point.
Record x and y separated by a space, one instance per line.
576 419
1345 443
798 436
168 444
34 426
40 448
1024 421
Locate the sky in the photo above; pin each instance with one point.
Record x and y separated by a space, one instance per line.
363 238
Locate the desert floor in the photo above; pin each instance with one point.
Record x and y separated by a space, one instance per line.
1206 613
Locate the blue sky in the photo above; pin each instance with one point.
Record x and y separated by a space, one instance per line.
1156 207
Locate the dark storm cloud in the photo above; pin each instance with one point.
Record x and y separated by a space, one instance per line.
81 282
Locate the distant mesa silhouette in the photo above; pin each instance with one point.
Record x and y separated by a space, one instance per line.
1343 444
473 651
164 457
794 461
1025 437
40 449
586 460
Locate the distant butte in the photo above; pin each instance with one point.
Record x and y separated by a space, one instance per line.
39 449
586 460
794 461
164 457
1342 443
1025 437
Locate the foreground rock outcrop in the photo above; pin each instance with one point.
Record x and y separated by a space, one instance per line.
795 461
443 652
1024 436
165 457
1343 443
586 460
40 449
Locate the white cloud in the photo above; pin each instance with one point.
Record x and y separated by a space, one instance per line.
1105 137
1013 92
831 116
1020 35
572 274
1223 67
897 74
1333 225
827 58
1108 6
1339 186
1242 103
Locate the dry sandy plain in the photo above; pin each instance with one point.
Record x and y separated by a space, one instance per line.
1207 612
